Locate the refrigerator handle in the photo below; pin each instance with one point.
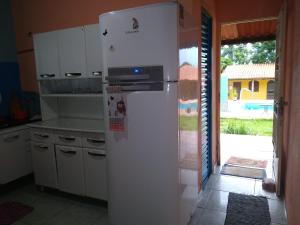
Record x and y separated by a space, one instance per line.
128 77
140 87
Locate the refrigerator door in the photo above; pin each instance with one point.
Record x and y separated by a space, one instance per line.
143 159
142 36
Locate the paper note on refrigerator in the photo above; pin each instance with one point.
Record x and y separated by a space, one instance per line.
116 108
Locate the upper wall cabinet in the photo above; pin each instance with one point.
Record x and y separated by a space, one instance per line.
69 53
71 44
46 55
93 50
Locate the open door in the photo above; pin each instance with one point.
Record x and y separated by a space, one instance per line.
279 98
206 60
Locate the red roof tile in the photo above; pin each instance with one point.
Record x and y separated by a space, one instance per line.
250 71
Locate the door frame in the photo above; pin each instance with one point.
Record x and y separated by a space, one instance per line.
286 99
283 104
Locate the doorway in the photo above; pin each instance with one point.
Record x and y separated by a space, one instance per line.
247 100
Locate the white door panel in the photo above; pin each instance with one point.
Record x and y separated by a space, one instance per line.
14 156
93 50
125 46
72 52
143 160
44 164
70 169
46 55
95 173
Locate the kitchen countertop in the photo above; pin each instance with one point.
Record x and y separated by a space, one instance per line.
13 125
72 124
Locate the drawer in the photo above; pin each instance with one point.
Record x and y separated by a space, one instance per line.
41 135
93 140
67 138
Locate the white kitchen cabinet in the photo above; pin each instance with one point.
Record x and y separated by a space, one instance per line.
44 164
93 50
41 135
14 156
71 44
46 55
70 169
93 140
95 173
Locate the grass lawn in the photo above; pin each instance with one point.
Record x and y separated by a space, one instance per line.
260 127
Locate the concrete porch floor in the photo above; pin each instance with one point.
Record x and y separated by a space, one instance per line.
247 146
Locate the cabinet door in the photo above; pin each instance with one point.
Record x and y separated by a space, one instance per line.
25 158
93 50
44 164
13 156
46 55
72 58
95 173
70 169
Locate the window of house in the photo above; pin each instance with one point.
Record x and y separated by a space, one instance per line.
270 89
253 86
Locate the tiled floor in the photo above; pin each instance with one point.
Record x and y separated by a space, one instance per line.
212 204
53 208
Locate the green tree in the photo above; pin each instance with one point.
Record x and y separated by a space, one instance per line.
264 52
234 54
225 62
259 52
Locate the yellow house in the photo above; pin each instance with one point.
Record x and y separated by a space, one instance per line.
250 82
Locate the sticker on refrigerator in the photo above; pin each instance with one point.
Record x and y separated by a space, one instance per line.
116 108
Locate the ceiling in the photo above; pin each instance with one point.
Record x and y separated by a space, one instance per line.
236 33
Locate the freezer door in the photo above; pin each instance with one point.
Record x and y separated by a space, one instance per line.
142 36
143 160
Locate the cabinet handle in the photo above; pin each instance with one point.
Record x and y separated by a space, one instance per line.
97 154
72 74
47 75
95 141
97 73
67 138
44 147
11 138
68 151
41 135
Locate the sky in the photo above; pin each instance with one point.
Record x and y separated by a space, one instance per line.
189 55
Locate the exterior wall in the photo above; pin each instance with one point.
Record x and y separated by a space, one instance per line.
247 95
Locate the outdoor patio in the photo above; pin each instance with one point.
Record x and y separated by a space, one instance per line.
247 146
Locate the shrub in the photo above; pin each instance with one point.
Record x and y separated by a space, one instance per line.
236 127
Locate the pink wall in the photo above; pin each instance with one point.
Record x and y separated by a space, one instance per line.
40 16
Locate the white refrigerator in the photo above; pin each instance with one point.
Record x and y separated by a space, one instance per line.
146 182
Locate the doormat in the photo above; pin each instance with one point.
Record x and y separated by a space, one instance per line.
240 171
247 210
237 161
10 212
